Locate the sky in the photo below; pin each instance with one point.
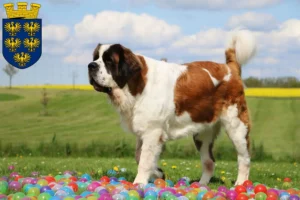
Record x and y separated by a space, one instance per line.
179 30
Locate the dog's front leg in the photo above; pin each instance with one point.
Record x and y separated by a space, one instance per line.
151 149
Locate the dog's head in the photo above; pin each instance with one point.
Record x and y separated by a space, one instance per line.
112 67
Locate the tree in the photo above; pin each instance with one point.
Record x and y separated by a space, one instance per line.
74 76
10 71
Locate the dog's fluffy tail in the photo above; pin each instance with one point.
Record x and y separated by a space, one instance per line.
241 47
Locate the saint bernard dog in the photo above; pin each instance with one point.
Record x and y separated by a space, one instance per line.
160 101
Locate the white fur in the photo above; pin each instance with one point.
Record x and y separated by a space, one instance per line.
244 43
213 79
237 132
228 75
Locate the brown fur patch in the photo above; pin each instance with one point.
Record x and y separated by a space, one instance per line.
231 61
196 94
96 52
138 82
209 165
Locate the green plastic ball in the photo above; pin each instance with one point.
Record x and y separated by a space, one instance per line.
33 192
69 198
3 189
44 196
18 196
171 197
133 193
286 185
132 198
150 197
42 182
191 196
260 196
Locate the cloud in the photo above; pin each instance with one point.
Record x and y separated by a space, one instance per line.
278 46
267 60
253 21
114 27
55 32
208 4
79 57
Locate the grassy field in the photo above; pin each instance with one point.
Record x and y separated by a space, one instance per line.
271 174
82 117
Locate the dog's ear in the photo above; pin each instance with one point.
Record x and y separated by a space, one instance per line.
126 64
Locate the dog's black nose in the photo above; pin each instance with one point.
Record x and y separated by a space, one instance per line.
93 66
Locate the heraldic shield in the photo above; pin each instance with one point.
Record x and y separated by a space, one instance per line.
22 41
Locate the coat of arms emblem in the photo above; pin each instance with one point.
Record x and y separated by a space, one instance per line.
22 35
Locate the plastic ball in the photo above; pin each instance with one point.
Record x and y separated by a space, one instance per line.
240 189
104 179
18 196
133 193
3 189
286 185
208 195
86 176
34 191
14 186
105 196
42 182
191 196
260 196
44 196
260 188
150 198
294 197
160 183
247 183
231 194
242 197
287 180
111 172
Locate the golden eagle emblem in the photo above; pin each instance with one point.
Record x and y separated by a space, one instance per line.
31 28
22 58
12 28
31 44
12 44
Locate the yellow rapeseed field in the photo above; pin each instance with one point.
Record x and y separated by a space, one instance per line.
251 92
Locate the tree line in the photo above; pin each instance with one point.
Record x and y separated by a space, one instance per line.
276 82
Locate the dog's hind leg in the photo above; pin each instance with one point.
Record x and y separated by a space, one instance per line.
204 142
236 121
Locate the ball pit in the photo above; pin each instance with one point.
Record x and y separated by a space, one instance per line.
69 186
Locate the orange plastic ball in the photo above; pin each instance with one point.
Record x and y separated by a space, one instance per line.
208 195
181 191
291 191
160 183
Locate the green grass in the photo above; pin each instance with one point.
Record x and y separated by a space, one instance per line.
9 97
83 117
267 173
